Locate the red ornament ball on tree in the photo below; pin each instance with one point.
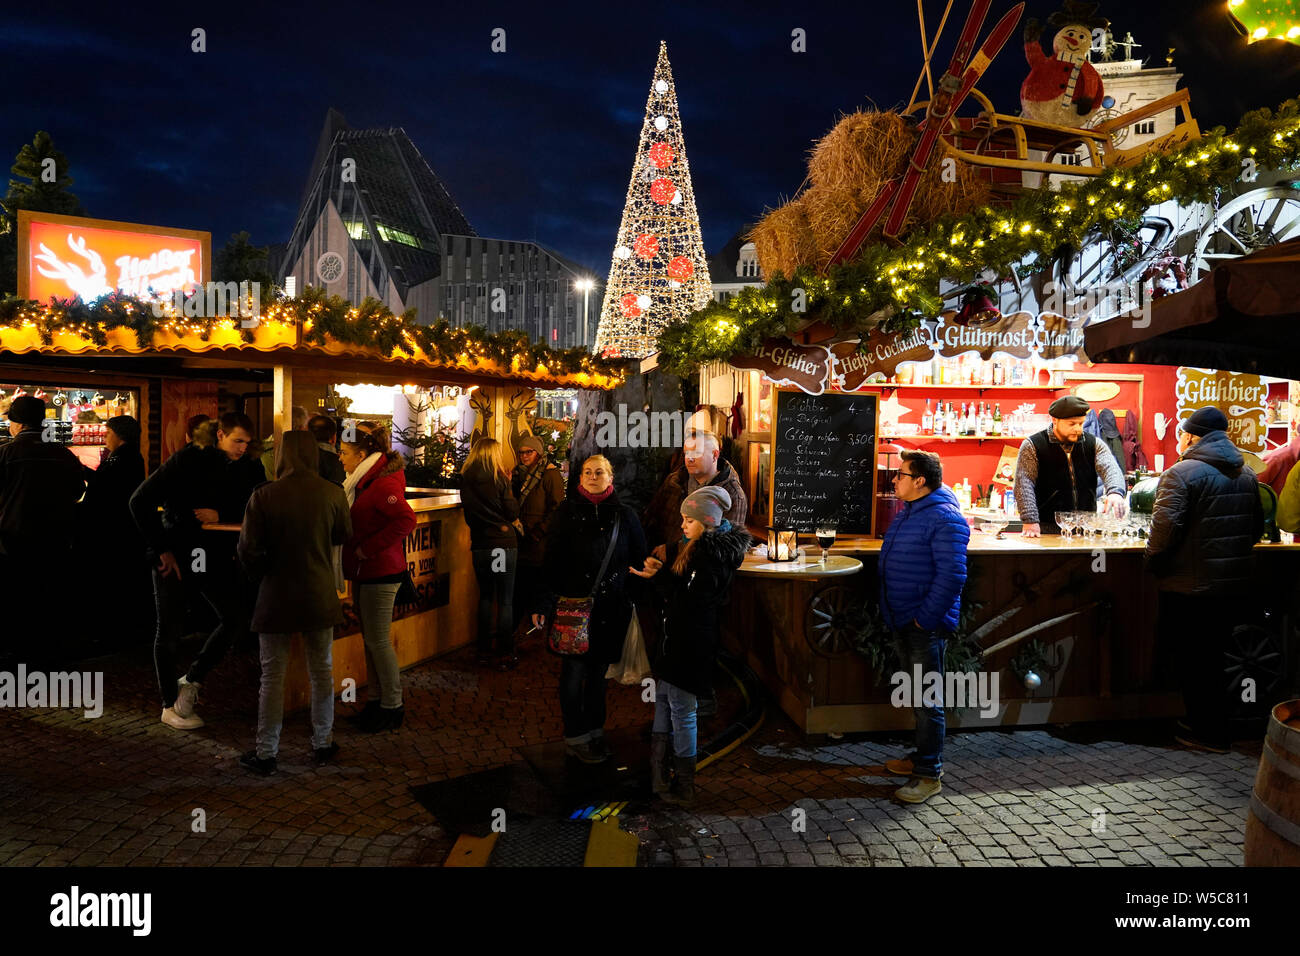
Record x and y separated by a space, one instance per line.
646 246
680 268
627 303
662 191
661 154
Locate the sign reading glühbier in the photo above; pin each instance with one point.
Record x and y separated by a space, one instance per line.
1241 397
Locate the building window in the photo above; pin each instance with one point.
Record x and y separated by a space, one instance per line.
389 234
1145 128
357 229
1069 159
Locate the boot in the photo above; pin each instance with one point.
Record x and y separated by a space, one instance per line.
659 766
683 792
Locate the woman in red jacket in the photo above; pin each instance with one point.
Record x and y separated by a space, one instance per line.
374 559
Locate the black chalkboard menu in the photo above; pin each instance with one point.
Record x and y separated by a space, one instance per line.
823 460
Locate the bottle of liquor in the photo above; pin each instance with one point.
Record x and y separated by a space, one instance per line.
927 420
970 420
997 420
964 421
997 373
982 426
950 422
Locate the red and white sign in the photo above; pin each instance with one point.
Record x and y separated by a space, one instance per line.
66 256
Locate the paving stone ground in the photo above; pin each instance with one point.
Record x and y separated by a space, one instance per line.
123 789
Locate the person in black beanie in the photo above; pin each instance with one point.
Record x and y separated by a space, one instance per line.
1204 526
40 485
109 534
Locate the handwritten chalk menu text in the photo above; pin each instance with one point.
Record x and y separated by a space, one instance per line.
824 461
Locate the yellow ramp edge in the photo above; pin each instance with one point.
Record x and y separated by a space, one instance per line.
610 846
473 851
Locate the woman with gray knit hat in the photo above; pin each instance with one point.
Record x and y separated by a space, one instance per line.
693 583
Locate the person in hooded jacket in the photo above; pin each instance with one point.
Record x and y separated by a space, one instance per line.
922 572
286 545
581 531
1205 523
693 583
374 559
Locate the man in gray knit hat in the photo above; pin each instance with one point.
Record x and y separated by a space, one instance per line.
1057 470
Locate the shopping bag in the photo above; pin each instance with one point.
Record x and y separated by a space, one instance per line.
634 665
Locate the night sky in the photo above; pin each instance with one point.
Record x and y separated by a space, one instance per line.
535 143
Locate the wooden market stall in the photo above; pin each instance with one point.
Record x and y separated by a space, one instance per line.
182 370
1067 626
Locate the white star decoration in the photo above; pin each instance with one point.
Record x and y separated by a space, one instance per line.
892 412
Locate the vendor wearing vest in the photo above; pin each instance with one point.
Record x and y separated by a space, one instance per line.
1058 470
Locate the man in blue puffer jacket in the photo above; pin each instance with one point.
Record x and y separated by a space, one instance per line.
922 571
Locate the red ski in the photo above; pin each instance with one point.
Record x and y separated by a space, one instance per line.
957 83
963 73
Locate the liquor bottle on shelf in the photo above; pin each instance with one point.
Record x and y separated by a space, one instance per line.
997 420
950 422
997 373
986 373
970 421
927 420
982 426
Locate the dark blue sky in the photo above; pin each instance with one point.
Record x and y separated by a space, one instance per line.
537 142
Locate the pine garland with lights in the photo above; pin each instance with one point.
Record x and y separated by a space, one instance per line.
325 318
894 287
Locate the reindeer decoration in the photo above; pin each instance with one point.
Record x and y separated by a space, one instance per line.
523 403
88 287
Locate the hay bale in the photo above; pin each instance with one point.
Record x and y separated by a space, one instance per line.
783 240
864 150
832 212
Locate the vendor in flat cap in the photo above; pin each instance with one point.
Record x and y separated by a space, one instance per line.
1058 468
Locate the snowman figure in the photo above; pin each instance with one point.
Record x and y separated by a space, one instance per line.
1063 89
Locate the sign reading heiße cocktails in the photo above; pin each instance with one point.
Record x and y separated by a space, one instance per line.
849 363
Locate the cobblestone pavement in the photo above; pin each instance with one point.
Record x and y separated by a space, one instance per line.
123 789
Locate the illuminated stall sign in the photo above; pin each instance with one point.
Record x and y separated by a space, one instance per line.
1240 397
66 256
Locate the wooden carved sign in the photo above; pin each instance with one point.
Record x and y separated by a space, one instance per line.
855 360
1059 336
1240 397
1013 334
806 367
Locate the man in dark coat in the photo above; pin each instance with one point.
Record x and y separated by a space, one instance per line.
922 572
1058 470
539 489
1205 523
581 531
109 533
40 484
194 487
291 528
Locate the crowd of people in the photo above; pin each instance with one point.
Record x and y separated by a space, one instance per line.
327 507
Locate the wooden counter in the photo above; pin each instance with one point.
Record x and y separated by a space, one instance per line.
1097 601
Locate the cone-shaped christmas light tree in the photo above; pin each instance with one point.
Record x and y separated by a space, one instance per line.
659 274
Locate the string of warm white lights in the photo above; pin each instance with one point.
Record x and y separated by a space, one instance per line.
659 274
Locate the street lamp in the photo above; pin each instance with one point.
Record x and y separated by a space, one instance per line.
586 286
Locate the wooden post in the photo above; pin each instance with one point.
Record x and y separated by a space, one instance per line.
282 402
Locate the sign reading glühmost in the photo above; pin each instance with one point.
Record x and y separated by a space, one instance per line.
69 256
1241 398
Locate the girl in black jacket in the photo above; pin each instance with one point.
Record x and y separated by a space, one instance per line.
693 584
492 514
576 543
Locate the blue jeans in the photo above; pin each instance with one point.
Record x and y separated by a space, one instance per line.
675 714
496 593
925 648
270 703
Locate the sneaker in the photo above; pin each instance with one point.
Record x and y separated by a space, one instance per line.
262 766
918 790
323 755
187 695
900 768
173 719
585 752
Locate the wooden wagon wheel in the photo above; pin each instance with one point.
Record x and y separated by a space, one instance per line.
828 627
1254 220
1100 262
1253 652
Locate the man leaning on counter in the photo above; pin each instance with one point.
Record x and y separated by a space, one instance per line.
1057 470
